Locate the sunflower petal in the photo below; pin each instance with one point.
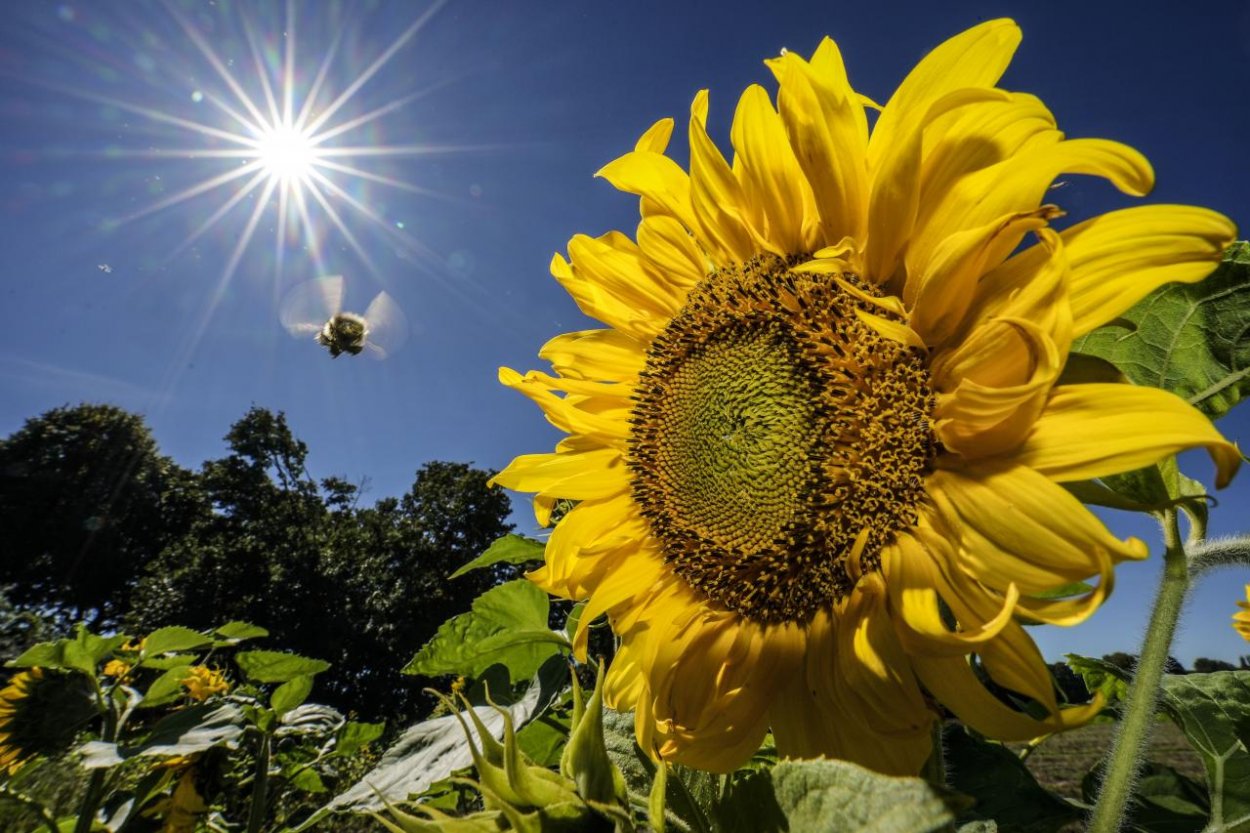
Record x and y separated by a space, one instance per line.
772 181
1093 430
1119 258
828 133
1015 525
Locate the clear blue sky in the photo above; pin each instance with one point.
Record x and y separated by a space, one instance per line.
513 106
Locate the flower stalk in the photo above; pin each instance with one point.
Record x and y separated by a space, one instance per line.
1143 694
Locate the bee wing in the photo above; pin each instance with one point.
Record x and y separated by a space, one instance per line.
388 326
308 305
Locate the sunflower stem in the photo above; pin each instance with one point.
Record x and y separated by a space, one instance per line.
256 813
90 802
1143 694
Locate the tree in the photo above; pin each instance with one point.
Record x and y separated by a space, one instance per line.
362 587
1203 665
86 502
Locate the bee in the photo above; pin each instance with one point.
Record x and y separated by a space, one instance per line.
316 308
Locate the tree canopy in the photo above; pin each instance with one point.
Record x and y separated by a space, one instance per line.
104 525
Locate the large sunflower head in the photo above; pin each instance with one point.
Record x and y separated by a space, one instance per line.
41 712
816 455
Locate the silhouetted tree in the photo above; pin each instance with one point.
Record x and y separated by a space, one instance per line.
86 502
1203 665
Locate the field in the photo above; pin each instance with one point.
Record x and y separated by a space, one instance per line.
1061 762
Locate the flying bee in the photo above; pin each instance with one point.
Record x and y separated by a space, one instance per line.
316 308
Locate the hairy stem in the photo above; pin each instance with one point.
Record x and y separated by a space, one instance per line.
1143 694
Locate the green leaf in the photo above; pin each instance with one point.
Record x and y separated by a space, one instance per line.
1163 801
510 549
1100 675
750 805
355 736
1211 710
507 625
41 655
291 693
185 732
167 687
1187 338
277 666
430 751
174 638
309 781
85 650
1004 789
542 741
238 631
818 796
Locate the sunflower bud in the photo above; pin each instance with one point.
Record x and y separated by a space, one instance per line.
588 793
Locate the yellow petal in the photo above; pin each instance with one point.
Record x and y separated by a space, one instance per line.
1016 526
827 129
1119 258
915 586
655 140
891 329
940 295
1017 185
1094 430
1001 375
976 57
674 253
952 681
716 195
776 191
596 355
603 419
596 302
585 476
614 264
1032 286
654 177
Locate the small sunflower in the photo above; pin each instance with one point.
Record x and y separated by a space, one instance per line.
41 712
1241 619
817 454
202 682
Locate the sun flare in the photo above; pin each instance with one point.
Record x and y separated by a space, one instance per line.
286 153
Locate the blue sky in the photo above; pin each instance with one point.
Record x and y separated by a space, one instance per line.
498 114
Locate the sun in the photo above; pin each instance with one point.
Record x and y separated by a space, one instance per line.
286 153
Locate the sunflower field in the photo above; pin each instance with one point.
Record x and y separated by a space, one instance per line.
843 440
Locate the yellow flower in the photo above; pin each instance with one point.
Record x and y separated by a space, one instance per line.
116 668
202 683
41 713
12 752
1241 620
817 452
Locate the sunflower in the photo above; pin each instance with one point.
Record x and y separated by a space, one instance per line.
1241 619
817 453
41 712
202 682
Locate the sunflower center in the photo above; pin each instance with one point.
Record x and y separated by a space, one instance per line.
778 442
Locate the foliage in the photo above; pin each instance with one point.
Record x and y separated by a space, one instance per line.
173 755
279 552
86 503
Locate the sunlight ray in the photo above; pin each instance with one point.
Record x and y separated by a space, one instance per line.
377 64
215 62
339 224
196 190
